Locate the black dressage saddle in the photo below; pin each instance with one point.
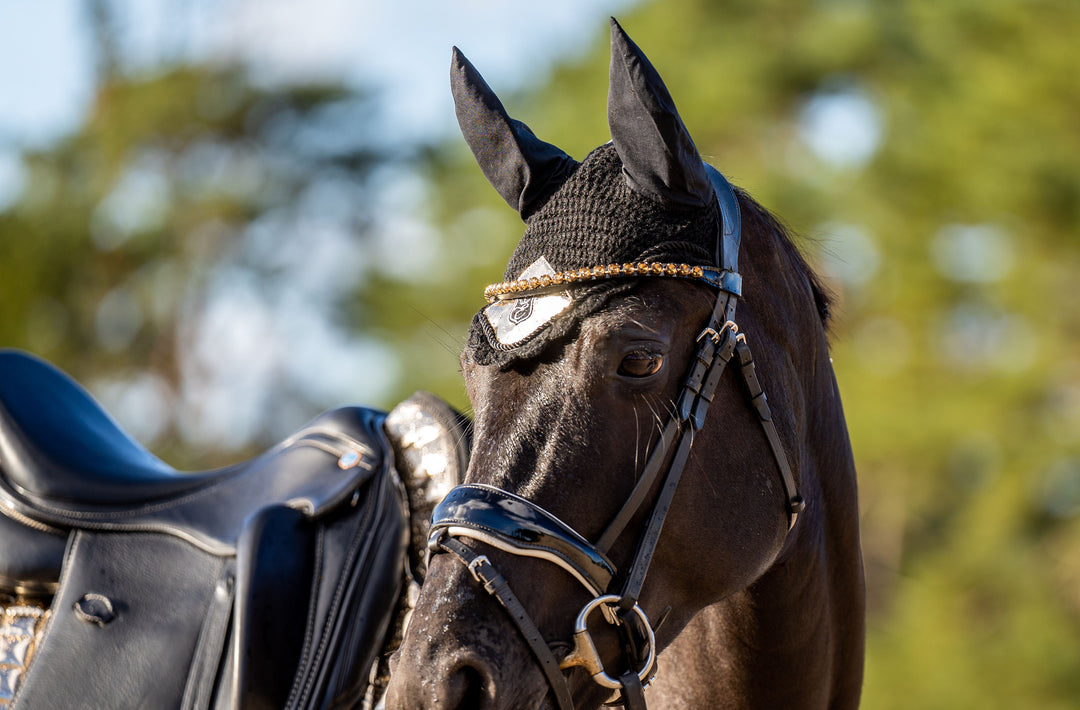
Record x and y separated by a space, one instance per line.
270 583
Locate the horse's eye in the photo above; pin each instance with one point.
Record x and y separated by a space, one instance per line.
641 364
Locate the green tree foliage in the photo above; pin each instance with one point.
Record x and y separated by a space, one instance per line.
927 152
181 186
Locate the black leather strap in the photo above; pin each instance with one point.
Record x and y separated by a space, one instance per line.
715 350
631 590
514 524
644 484
715 346
497 586
795 502
633 692
633 689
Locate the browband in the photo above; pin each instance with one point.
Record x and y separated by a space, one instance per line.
549 283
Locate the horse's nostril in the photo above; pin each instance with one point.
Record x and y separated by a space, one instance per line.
470 687
438 678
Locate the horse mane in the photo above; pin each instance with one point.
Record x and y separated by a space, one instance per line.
767 222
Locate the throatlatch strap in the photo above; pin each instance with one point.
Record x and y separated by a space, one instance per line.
795 502
497 586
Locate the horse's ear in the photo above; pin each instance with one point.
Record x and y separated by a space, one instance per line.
659 157
523 169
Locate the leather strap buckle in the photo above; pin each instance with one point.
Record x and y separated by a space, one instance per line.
710 334
718 335
475 563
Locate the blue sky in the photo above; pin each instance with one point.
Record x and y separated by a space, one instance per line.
45 75
46 61
402 48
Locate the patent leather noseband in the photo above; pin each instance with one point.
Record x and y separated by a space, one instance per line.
518 526
511 523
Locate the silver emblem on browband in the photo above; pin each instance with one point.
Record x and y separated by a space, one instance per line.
515 319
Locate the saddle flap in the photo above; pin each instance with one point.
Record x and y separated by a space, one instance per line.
30 558
276 559
127 615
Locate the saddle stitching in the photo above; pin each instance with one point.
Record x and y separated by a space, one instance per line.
309 623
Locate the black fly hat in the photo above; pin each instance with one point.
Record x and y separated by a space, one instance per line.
642 205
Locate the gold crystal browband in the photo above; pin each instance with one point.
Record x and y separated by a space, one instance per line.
718 278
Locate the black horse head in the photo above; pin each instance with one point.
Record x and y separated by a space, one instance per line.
585 376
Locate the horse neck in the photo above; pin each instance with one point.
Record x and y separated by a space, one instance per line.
795 636
793 639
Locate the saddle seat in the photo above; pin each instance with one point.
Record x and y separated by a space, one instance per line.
57 443
65 463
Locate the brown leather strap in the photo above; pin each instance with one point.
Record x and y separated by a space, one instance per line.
633 692
694 399
497 586
795 502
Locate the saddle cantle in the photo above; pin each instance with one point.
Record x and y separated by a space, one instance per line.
270 583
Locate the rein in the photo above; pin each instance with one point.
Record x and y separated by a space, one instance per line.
516 525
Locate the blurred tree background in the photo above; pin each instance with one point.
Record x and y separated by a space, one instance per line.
219 257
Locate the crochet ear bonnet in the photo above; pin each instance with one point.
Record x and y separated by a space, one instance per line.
643 204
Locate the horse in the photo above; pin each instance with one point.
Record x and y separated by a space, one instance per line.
638 523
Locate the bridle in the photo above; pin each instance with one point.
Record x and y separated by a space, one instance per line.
513 524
